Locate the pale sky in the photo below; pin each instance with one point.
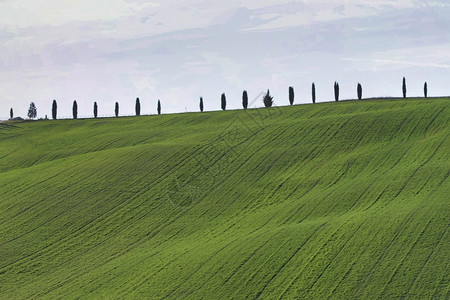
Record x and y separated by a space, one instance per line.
177 51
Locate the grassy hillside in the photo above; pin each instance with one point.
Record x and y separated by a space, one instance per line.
333 200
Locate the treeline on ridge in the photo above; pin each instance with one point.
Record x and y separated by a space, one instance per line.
267 101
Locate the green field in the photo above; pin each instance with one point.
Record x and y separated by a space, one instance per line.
332 200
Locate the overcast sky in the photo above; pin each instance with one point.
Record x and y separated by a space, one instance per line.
177 51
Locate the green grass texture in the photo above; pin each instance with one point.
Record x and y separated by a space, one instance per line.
346 200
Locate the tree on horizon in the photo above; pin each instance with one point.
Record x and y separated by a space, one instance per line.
54 109
268 99
223 101
291 95
404 87
11 113
336 91
75 109
244 99
32 111
313 92
359 91
159 107
201 104
138 107
95 110
425 90
116 109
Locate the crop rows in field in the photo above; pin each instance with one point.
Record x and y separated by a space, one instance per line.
345 200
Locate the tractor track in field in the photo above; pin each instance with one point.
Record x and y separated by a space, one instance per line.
28 187
238 168
389 245
301 196
388 170
338 252
248 258
405 294
41 182
255 251
58 192
308 238
42 223
271 204
17 191
79 230
396 163
411 247
376 180
354 262
323 199
294 164
166 224
216 160
434 119
442 181
418 168
221 266
380 257
312 151
428 180
422 116
268 282
444 283
294 190
6 155
253 231
287 178
115 256
365 190
197 269
323 242
202 264
147 278
136 244
403 122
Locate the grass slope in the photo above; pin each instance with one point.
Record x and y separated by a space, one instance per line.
333 200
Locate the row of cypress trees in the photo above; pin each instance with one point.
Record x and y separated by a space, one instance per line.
267 100
75 109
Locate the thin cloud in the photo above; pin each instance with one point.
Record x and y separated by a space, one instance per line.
115 50
391 62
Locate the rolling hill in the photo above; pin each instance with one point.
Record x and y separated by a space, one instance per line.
332 200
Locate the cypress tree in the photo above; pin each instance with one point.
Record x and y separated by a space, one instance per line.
425 90
313 92
75 109
359 90
138 107
54 109
291 95
95 110
11 113
223 101
116 109
201 104
404 87
244 99
336 91
159 107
